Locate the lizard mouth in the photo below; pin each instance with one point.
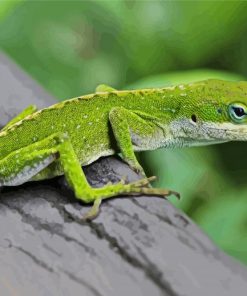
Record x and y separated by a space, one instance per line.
205 133
225 131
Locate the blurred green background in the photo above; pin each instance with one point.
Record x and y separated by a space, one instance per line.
70 47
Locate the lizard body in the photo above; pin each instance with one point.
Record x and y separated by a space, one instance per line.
60 139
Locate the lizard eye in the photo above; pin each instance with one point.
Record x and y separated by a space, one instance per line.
237 112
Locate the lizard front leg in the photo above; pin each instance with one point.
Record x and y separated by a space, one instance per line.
104 88
127 126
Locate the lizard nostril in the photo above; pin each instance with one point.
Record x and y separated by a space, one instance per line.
193 118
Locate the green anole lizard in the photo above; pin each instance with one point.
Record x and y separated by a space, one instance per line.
60 139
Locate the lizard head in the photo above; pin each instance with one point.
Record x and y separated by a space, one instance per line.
211 111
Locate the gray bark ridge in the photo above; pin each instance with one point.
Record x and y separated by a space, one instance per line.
136 246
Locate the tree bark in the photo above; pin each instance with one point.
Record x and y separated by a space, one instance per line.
136 246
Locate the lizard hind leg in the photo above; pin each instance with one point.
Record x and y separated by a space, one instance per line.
28 111
21 165
25 168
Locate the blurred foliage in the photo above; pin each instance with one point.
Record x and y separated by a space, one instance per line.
71 46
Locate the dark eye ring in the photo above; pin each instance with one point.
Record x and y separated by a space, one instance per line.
237 112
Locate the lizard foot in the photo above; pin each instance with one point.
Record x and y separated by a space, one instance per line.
135 188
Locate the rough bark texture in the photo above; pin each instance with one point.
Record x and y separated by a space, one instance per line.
137 246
